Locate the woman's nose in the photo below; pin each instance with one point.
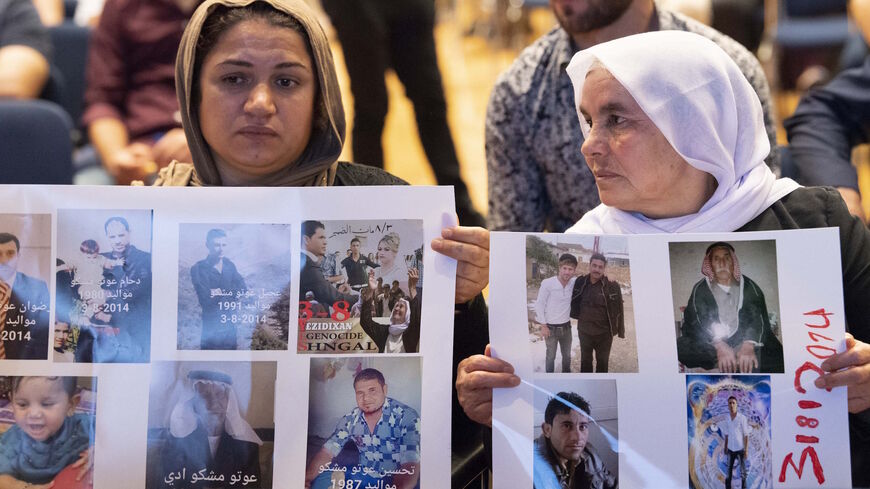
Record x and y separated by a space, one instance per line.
260 101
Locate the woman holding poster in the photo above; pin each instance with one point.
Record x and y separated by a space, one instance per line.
674 136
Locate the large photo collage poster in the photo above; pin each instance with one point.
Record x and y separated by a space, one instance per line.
153 338
667 361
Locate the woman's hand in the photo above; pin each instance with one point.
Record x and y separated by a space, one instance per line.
476 377
470 248
852 369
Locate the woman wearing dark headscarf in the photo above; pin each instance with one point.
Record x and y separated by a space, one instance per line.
261 106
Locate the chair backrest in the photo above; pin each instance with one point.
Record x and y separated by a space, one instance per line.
35 142
811 23
70 43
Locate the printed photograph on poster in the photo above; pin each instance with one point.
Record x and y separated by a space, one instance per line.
104 284
576 433
360 286
580 307
364 422
233 286
47 426
211 425
729 431
25 271
726 306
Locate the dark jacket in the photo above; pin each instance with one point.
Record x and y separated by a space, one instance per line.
612 299
192 454
695 345
822 207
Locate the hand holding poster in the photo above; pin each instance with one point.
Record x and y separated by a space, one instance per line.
717 390
185 311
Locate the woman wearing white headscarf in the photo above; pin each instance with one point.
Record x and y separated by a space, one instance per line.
675 138
402 335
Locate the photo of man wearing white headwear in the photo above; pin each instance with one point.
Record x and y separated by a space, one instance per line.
210 441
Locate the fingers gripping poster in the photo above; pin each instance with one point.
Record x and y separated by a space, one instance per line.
224 337
660 361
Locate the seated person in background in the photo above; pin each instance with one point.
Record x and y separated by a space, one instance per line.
50 11
678 96
563 456
828 123
537 179
130 107
48 435
207 432
726 318
25 50
402 335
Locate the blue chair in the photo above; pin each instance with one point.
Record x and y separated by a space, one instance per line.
70 43
35 144
813 31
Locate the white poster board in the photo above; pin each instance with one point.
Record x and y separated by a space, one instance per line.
659 420
168 293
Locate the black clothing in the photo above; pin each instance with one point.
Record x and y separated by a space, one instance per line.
822 207
827 124
216 335
20 26
612 301
592 312
695 344
129 304
356 270
598 343
376 35
193 454
379 333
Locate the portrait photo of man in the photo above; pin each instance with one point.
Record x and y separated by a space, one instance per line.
726 317
24 299
105 283
377 439
565 456
229 298
201 433
579 297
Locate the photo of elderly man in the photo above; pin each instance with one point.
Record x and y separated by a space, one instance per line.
726 321
209 423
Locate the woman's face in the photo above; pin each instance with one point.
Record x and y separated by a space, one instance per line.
258 89
635 167
386 256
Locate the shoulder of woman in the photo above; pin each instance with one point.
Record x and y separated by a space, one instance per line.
355 174
176 174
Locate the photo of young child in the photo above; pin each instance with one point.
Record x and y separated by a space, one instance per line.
51 444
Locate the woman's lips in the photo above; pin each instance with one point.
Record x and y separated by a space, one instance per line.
258 131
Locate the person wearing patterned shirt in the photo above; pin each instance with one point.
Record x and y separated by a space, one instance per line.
538 179
385 431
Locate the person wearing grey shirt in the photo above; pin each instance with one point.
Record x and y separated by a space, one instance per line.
538 180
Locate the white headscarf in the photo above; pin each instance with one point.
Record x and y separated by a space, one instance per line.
702 103
183 419
395 341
